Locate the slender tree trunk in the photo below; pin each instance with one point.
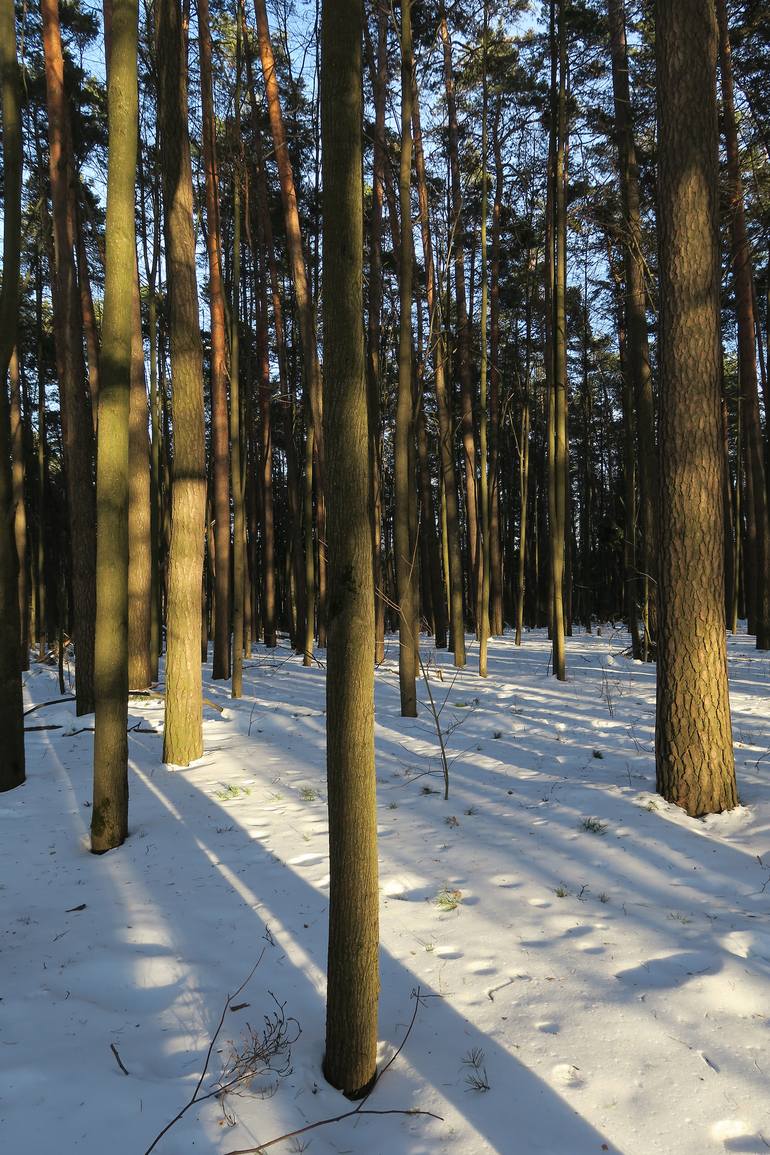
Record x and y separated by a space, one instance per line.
693 733
236 469
453 573
12 771
404 438
77 428
219 418
559 526
353 972
183 738
379 70
311 364
486 553
140 589
754 454
463 323
19 507
496 561
109 816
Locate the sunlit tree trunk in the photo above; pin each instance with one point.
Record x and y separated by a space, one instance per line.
693 733
183 737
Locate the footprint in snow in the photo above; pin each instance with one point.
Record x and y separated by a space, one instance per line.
306 860
567 1075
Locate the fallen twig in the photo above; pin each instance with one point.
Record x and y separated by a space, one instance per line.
118 1059
53 702
194 1098
361 1109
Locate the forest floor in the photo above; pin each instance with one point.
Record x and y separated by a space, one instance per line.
593 966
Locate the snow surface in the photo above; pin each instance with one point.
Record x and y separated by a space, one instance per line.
607 964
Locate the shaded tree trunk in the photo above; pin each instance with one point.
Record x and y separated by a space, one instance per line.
77 428
109 815
353 970
12 771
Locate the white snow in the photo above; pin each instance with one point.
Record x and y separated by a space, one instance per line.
600 961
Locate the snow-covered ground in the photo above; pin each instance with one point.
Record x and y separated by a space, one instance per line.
597 977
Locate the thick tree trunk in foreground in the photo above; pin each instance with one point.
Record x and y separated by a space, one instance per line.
11 704
353 972
183 738
109 816
693 734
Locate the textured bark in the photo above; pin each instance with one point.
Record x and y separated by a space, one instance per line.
353 970
219 417
11 704
753 447
140 662
637 349
379 73
183 738
693 736
559 525
109 815
19 508
87 312
405 544
77 428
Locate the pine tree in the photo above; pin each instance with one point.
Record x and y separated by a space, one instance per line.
353 973
693 734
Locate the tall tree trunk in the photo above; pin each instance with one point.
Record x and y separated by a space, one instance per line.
12 771
19 507
109 815
404 436
454 573
77 428
219 418
560 467
307 332
486 553
353 972
463 323
379 72
140 590
693 733
236 439
183 738
496 623
754 452
637 348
